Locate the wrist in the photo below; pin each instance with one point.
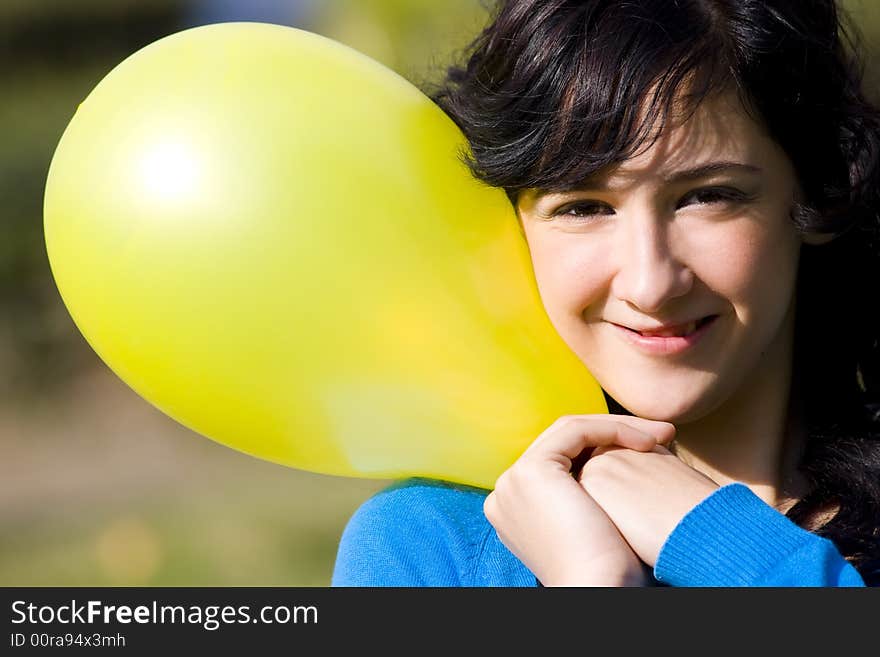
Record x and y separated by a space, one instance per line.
606 575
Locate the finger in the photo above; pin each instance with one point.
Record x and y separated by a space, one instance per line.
566 438
664 432
667 439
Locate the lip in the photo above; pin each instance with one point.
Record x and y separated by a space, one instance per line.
664 346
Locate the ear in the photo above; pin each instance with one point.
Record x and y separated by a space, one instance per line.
817 239
808 237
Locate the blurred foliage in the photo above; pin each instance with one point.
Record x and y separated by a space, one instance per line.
283 532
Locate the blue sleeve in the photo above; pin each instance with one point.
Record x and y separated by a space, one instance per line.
734 538
411 534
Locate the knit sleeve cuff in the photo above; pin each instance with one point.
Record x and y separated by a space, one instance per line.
731 538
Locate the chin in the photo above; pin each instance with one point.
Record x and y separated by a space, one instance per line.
672 405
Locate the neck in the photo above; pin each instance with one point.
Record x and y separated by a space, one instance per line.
756 437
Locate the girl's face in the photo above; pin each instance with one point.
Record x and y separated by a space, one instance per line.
696 226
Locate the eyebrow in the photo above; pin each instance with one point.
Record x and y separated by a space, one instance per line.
684 175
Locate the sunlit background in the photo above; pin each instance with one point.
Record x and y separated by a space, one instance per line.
96 486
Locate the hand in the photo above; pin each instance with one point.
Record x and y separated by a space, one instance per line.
645 493
547 519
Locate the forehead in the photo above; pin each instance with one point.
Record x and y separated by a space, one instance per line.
695 142
718 129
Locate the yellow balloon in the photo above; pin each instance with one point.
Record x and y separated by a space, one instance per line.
270 237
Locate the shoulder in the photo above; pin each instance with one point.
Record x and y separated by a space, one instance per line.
422 532
447 511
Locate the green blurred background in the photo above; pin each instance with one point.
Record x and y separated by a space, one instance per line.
96 486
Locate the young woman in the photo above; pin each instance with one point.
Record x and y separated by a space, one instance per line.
699 186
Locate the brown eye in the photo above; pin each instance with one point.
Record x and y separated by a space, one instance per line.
582 210
712 195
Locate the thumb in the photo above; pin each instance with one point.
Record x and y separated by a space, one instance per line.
665 432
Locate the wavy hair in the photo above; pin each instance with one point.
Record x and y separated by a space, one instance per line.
550 92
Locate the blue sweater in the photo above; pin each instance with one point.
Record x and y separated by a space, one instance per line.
421 532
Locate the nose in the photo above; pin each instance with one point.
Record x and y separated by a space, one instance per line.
649 274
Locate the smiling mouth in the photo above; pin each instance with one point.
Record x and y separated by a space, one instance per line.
676 331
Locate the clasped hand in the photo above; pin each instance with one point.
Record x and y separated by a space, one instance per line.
601 524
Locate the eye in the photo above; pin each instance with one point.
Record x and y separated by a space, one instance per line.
714 195
582 210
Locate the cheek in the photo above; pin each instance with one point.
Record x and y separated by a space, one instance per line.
570 277
752 267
